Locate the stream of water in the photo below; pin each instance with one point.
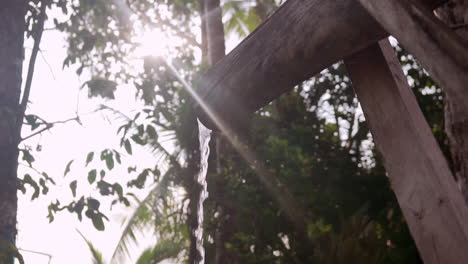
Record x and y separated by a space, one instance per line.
204 136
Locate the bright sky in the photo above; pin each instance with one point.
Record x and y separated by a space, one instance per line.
55 96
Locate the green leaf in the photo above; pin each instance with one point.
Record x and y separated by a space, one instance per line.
92 176
117 157
152 132
21 186
73 186
104 188
32 121
110 162
98 222
93 203
141 130
79 207
128 146
27 156
108 157
29 180
138 140
101 87
47 177
118 188
67 168
89 158
45 189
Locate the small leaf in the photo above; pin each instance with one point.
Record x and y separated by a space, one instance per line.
136 116
101 87
89 158
128 146
67 168
125 201
138 140
21 186
27 156
98 222
46 176
45 189
92 176
110 162
32 121
118 188
117 157
151 132
73 186
29 180
104 188
141 130
108 157
93 204
79 208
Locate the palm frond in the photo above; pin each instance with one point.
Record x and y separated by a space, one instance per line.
165 249
141 217
97 255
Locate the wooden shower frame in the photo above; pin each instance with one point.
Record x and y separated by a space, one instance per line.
303 37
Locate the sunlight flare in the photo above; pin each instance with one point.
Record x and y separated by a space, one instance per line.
154 43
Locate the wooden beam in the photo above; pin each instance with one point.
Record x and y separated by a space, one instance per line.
298 41
424 186
441 52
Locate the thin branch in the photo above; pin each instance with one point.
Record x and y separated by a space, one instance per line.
37 36
37 252
47 63
30 167
49 125
113 110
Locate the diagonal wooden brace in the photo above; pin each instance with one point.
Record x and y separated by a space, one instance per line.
433 206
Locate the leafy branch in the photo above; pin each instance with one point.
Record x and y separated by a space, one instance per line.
49 125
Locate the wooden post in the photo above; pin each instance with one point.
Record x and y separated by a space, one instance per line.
424 186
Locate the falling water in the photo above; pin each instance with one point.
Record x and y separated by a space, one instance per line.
204 135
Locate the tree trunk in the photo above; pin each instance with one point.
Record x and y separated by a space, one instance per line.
215 31
12 28
455 14
216 51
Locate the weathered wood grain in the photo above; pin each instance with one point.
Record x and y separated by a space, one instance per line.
424 186
299 40
441 51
